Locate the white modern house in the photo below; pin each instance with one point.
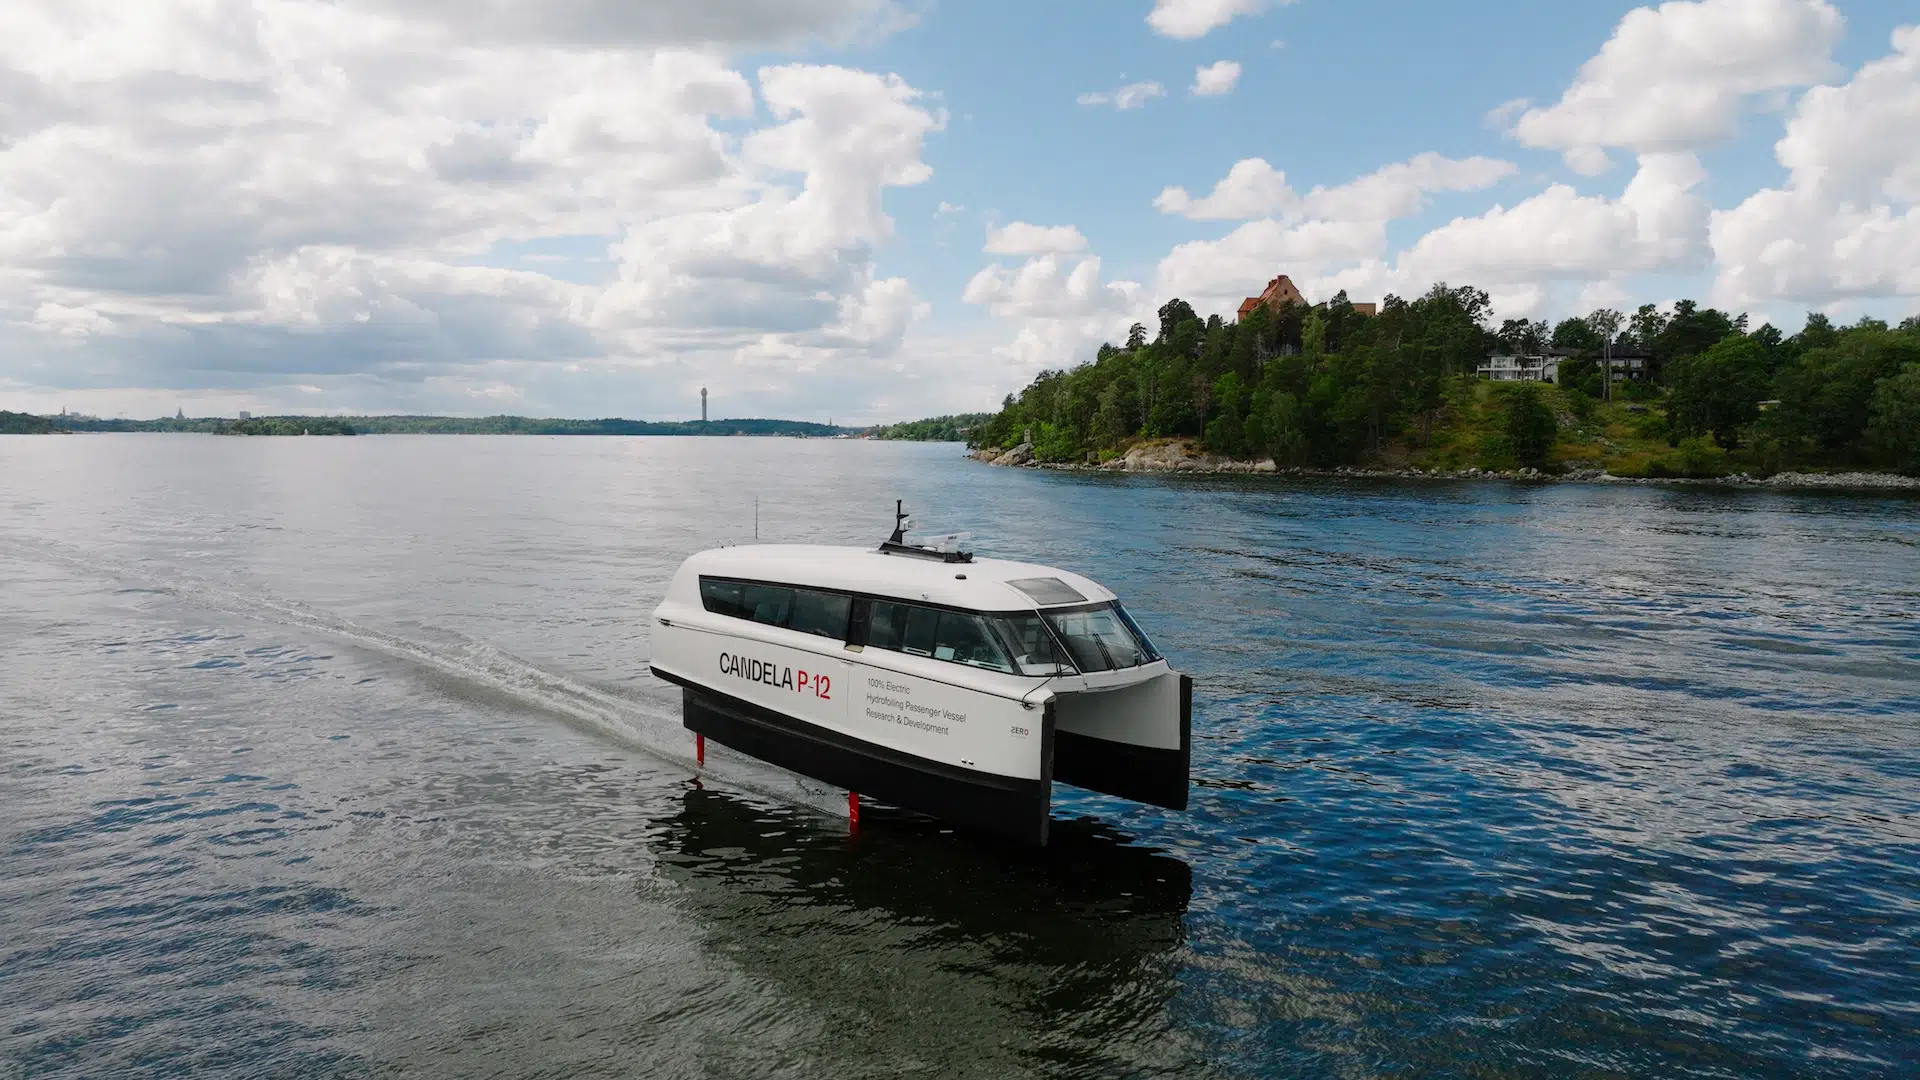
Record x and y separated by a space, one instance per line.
1545 367
1537 368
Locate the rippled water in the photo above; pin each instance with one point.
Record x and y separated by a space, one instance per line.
338 757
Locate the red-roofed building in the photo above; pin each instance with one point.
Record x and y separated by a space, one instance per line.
1281 291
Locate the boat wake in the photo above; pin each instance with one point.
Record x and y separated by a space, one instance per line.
649 724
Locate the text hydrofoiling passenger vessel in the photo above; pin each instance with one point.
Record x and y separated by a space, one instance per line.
955 686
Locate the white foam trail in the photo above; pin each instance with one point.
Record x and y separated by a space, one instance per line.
652 728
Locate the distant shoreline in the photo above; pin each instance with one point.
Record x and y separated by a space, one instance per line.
1178 459
445 425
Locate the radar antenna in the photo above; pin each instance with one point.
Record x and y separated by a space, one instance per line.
897 543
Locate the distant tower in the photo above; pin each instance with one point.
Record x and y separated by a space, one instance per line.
180 414
703 404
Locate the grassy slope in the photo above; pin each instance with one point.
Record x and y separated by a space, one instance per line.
1626 439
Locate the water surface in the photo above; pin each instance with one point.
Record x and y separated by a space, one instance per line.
338 757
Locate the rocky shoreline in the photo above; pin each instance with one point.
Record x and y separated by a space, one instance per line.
1178 457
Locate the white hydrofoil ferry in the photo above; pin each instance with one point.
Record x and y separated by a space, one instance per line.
929 679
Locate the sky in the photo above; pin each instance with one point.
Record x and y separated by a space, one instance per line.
875 210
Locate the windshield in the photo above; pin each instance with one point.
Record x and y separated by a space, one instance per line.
1034 650
1101 638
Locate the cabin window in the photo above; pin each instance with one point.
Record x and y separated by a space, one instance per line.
810 611
820 613
954 636
723 598
1034 650
769 604
1100 638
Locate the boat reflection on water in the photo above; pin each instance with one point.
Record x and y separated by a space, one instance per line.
916 947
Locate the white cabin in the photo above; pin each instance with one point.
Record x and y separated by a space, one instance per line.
956 686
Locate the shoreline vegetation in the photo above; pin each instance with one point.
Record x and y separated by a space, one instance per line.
13 423
956 428
1329 390
1185 456
416 425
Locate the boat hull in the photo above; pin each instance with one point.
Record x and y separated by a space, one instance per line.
1007 806
1147 761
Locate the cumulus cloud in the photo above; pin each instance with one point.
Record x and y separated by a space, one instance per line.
1055 303
1020 238
1214 275
1253 188
1336 238
1216 78
1057 312
1674 78
732 23
1043 287
1130 96
1189 19
298 193
1658 223
1847 222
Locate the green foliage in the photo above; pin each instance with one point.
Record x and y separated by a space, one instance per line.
1690 331
1226 432
1520 337
1582 378
1818 333
290 425
1695 458
1531 427
1718 392
957 428
13 423
1325 386
1825 396
1894 426
1638 390
1578 334
1058 443
1650 425
1579 403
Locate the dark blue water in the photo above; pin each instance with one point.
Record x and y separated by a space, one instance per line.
338 758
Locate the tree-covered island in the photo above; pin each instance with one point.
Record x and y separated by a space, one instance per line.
958 428
1694 391
13 423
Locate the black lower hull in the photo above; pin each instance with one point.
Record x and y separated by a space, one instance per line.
1006 806
1141 773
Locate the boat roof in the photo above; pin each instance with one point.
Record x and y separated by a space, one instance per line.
980 585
